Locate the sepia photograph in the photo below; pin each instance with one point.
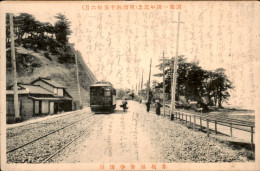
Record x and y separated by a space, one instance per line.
129 85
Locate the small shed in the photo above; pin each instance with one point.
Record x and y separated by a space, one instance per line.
193 105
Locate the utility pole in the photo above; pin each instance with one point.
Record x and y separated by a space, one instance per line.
76 60
16 102
142 81
175 69
138 91
163 86
148 86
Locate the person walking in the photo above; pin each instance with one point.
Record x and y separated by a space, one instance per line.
158 107
148 106
124 104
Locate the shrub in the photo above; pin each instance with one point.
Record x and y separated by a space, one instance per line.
47 55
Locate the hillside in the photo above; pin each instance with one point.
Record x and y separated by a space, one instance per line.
31 65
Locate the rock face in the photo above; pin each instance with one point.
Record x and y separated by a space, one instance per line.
31 65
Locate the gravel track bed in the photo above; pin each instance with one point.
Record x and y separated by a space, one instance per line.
39 150
177 143
37 130
72 148
11 132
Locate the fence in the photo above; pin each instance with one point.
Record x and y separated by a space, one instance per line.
228 122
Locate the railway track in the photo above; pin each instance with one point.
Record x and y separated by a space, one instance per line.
36 125
44 149
70 142
36 139
40 129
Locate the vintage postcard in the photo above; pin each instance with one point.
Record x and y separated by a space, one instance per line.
130 85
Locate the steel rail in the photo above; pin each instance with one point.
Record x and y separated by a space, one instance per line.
41 122
62 115
66 145
30 142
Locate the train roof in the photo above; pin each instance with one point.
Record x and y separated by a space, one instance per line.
102 84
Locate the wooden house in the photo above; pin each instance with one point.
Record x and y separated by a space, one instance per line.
41 97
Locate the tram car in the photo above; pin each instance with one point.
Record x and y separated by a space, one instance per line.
102 97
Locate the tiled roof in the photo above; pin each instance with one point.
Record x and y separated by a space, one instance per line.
50 98
35 89
54 83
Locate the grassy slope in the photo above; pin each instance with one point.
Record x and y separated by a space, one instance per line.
64 74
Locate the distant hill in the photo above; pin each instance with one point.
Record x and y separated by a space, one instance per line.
31 65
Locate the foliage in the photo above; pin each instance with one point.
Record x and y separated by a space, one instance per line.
61 28
120 93
194 83
36 35
217 86
47 55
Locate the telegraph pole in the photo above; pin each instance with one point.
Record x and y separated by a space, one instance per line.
16 102
76 60
163 86
175 69
142 80
149 80
138 91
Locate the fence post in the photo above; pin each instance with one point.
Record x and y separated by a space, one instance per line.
182 117
186 118
216 131
194 126
200 124
252 138
231 129
171 115
190 120
207 127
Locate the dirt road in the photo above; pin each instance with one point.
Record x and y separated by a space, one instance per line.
119 137
136 136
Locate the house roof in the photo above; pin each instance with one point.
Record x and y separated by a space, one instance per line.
50 82
35 89
50 98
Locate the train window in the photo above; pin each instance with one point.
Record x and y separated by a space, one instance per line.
107 92
114 92
93 92
102 92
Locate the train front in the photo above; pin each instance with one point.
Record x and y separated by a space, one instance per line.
102 98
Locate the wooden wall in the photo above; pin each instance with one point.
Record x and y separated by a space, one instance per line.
26 106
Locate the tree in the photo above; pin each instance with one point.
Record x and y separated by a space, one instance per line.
195 83
189 80
120 93
219 86
62 28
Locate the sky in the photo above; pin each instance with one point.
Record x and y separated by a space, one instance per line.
118 44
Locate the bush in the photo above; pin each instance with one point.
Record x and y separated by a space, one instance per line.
47 55
36 65
9 120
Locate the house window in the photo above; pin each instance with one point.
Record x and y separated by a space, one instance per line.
60 92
